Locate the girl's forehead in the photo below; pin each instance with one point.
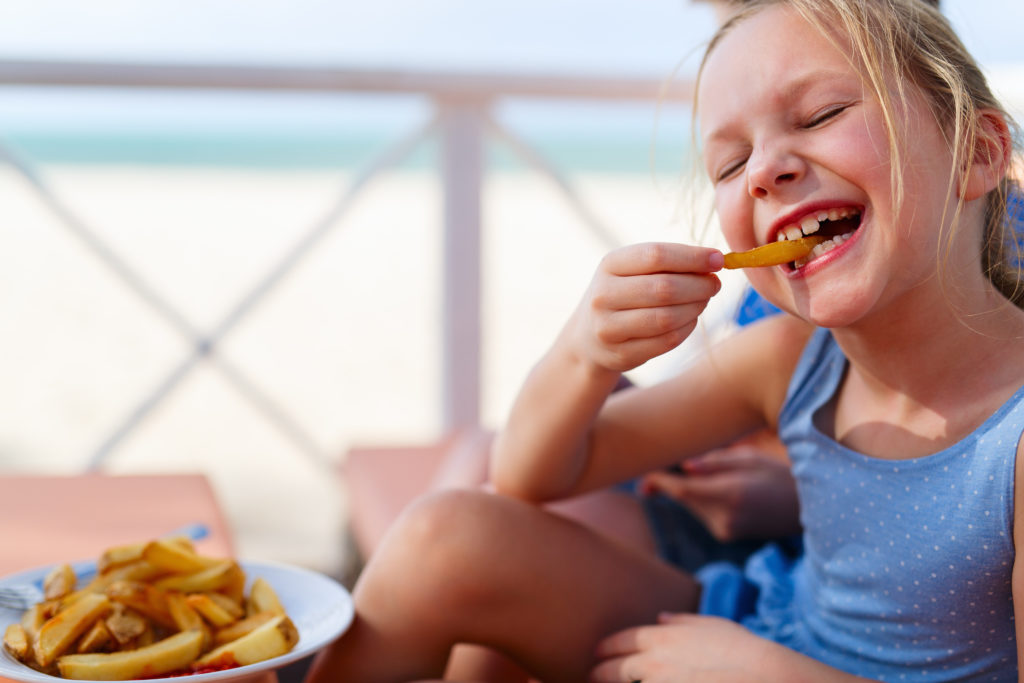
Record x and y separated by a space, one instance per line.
768 55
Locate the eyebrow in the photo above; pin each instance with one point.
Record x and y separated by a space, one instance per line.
791 91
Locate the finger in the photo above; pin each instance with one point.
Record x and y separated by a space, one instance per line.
676 618
635 352
662 257
617 670
721 460
653 290
646 323
620 643
669 483
695 492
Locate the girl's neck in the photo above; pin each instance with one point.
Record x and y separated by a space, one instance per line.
937 374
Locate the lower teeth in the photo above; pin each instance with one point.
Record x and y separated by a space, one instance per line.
824 247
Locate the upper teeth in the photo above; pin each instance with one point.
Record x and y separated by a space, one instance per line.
810 224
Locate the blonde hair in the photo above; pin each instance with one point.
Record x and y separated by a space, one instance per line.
912 39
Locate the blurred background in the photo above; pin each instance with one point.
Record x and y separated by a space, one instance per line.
243 238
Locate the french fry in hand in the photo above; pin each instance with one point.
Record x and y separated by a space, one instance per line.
773 254
164 656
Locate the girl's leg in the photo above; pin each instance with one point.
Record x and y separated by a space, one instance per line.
610 512
472 567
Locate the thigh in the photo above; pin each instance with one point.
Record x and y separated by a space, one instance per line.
614 513
533 584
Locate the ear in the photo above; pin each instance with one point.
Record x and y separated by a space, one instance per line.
992 155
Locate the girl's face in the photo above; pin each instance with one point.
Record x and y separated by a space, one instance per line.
794 144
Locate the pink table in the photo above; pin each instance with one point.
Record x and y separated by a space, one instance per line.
50 519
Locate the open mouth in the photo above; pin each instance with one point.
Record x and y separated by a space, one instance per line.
836 225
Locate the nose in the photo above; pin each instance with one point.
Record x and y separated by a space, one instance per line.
770 169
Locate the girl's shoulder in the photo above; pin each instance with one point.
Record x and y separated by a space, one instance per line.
761 358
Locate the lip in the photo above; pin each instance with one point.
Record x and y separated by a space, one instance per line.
825 259
795 216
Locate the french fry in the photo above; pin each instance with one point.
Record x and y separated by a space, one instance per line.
167 655
17 642
773 253
60 582
241 627
138 570
60 631
172 556
144 598
35 616
96 639
274 638
152 609
203 581
187 618
119 556
210 610
125 625
228 604
234 584
263 598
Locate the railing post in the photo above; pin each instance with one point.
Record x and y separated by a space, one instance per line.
462 168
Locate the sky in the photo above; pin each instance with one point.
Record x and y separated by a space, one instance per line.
572 36
649 38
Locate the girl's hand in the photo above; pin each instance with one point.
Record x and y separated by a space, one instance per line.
644 300
683 647
703 649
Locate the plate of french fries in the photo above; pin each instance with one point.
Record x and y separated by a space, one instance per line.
160 610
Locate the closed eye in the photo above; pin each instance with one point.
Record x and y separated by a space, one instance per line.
825 116
730 169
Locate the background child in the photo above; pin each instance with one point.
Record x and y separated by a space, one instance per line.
894 380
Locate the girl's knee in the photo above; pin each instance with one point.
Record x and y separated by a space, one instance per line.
443 536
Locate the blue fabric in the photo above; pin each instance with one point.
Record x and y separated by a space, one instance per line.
754 307
906 567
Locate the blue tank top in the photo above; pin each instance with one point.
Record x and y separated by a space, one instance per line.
906 566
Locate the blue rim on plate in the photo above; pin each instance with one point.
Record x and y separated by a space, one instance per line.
319 606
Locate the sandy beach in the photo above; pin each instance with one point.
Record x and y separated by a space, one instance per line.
346 348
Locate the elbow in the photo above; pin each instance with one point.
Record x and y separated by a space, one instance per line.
507 484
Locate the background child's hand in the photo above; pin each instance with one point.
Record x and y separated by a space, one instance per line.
742 491
643 301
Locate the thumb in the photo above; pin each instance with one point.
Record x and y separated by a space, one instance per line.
672 484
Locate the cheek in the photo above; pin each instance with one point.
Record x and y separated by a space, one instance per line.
734 217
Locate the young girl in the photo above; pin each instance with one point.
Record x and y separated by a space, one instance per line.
896 381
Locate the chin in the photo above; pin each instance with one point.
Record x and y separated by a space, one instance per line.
832 311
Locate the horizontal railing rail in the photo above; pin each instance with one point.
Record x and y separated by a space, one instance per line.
440 85
462 122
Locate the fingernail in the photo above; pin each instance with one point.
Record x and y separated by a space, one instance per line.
716 260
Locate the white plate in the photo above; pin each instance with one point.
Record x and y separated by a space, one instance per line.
319 606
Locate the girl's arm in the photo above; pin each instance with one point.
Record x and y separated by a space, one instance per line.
1017 578
565 436
643 300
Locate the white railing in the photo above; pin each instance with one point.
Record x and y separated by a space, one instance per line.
463 119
